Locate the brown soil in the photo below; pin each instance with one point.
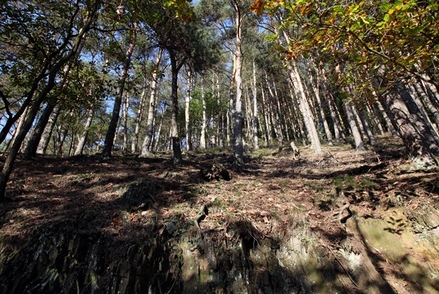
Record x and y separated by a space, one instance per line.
94 195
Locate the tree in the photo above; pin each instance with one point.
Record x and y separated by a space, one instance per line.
381 45
53 54
132 28
155 75
176 30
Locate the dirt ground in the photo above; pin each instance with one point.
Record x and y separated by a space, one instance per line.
327 190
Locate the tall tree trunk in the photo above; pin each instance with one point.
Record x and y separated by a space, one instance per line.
415 132
376 118
366 127
280 126
358 120
231 109
203 117
50 83
315 84
338 129
305 108
265 114
60 144
83 138
32 144
147 142
421 101
175 139
111 132
221 121
126 103
187 104
45 137
21 134
358 141
238 117
139 117
247 115
156 140
255 109
429 103
297 118
387 120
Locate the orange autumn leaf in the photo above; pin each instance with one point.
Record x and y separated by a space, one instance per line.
258 7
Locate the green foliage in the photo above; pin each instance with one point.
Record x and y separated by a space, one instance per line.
399 36
349 183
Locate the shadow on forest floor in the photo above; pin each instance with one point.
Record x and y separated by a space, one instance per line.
109 222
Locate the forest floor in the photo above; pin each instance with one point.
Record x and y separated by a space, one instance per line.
116 195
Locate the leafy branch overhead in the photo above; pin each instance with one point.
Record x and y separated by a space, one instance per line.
400 36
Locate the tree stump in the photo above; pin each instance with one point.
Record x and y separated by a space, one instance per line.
216 172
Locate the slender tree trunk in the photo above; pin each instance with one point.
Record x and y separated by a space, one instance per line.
420 98
60 144
147 142
238 117
156 140
265 115
376 118
111 132
338 130
231 109
305 109
415 132
21 134
27 124
32 144
358 141
366 127
315 83
387 120
83 138
247 115
175 139
203 117
429 103
298 118
45 137
280 126
187 118
221 121
139 117
358 120
126 103
255 109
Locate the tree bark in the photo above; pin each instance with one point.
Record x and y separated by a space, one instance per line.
32 145
238 118
175 139
139 117
315 82
266 115
415 132
387 120
358 141
147 142
187 118
366 127
47 133
111 132
255 109
126 103
83 138
305 108
50 83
